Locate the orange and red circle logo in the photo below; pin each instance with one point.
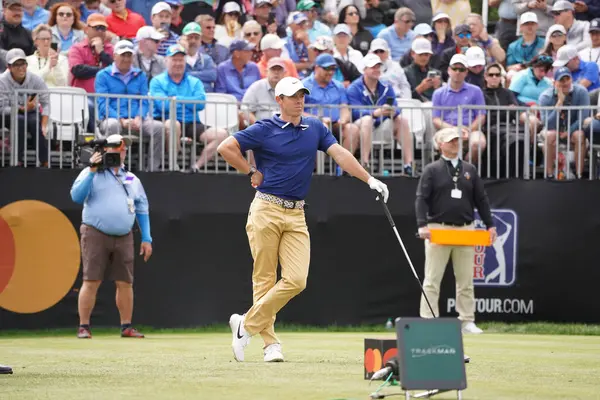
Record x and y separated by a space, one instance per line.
39 256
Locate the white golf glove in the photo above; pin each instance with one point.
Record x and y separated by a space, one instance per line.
376 184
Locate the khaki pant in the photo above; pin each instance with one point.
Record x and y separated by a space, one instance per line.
436 259
276 236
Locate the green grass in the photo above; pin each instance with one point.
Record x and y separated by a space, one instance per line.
320 365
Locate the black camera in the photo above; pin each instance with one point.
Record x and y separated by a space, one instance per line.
109 160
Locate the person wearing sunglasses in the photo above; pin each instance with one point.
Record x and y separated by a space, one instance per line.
577 31
400 35
67 28
423 31
122 21
460 93
209 44
523 50
479 35
229 27
315 27
361 37
462 38
145 56
198 64
14 35
457 10
555 39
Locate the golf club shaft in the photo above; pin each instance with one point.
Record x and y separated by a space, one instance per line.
393 224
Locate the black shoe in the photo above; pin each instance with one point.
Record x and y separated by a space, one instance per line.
5 370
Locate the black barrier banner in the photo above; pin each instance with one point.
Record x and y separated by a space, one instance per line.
542 269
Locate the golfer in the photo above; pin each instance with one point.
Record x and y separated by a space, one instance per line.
285 148
447 193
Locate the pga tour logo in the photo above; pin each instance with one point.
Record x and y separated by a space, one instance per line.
496 265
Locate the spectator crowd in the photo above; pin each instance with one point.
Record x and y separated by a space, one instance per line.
360 58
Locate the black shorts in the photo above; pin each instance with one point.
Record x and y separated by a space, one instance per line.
191 129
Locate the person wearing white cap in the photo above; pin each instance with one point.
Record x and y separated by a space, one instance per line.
346 72
476 63
146 57
442 39
556 37
34 122
391 72
400 35
458 10
460 93
131 116
578 33
479 35
379 119
113 199
228 27
342 36
162 16
542 10
285 148
272 46
584 73
421 76
521 51
593 53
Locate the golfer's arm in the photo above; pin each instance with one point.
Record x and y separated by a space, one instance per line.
344 159
230 150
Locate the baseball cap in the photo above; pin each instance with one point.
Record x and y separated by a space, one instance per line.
447 134
271 41
175 49
528 17
160 7
462 28
231 6
379 44
421 46
423 29
191 28
276 62
561 73
96 19
296 18
325 61
371 60
557 28
595 25
459 59
289 86
123 46
439 16
241 44
323 43
563 5
173 2
116 139
475 56
148 32
261 2
564 55
8 3
342 28
305 5
14 55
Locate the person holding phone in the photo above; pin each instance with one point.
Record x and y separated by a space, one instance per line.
46 62
161 21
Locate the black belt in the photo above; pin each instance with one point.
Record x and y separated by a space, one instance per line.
458 225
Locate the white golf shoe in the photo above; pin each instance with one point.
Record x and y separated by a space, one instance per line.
241 338
273 353
470 327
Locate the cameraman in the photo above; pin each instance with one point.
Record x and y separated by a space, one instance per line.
112 198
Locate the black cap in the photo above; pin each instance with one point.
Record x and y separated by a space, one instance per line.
595 25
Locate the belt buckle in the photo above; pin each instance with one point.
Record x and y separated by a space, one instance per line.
286 204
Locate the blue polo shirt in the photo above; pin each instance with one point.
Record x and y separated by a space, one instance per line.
333 94
521 53
447 97
398 45
285 154
229 80
587 70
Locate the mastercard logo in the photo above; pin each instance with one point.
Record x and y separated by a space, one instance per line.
374 360
39 256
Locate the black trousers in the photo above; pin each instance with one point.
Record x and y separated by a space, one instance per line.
32 126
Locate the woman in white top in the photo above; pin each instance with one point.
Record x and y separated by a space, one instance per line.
229 27
342 36
48 64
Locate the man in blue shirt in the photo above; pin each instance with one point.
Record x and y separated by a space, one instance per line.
584 73
112 198
400 36
176 83
524 49
285 148
331 102
235 75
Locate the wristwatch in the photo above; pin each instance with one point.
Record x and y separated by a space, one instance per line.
252 171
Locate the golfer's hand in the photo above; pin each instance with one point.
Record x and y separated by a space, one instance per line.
146 250
376 184
257 179
493 234
424 233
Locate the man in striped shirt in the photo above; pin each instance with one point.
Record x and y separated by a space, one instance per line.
161 21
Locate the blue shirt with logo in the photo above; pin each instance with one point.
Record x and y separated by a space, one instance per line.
334 94
285 154
587 70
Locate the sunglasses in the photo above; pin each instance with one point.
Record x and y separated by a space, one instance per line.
352 13
233 14
464 35
248 34
557 13
379 51
100 28
495 75
557 34
459 69
330 69
65 14
408 21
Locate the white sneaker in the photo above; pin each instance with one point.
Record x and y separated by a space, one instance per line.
273 353
241 338
470 327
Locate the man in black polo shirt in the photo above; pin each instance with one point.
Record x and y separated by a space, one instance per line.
12 33
448 192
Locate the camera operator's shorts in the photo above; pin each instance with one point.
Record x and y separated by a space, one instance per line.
105 256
